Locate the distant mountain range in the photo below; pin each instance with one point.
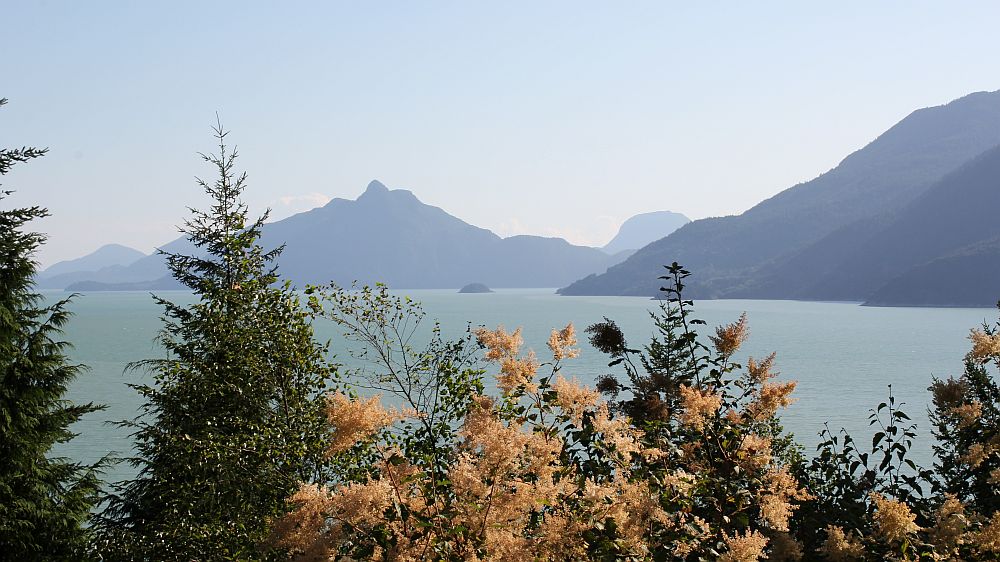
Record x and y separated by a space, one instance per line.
106 256
907 220
103 261
385 235
390 236
147 272
640 230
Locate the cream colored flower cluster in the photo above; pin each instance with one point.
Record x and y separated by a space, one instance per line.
748 547
841 546
513 491
707 410
985 346
698 405
977 453
516 372
893 519
573 398
354 419
728 338
562 343
894 524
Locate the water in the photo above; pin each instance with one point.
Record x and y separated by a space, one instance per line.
842 355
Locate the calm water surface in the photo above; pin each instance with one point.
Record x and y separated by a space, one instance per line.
842 355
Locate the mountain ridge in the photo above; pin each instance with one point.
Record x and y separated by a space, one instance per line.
725 253
390 236
954 213
63 272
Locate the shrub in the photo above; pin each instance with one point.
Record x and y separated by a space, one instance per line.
546 469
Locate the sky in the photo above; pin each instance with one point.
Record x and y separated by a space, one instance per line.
556 118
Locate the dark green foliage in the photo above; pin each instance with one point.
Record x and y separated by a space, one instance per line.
44 502
235 417
843 476
673 357
727 488
840 496
954 436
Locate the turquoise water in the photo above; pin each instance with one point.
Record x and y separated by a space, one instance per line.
842 355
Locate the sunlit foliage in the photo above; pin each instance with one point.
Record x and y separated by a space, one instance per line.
545 469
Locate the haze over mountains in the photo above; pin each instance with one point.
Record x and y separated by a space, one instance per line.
391 237
642 229
105 261
906 220
878 259
384 236
105 256
871 228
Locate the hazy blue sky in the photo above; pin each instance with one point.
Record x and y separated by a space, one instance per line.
555 118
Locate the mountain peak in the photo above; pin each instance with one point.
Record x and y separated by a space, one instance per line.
378 194
642 229
387 235
105 256
376 186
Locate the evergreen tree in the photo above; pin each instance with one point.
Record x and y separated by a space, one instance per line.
44 502
673 357
235 416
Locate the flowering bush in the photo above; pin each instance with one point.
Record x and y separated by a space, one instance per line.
546 469
880 505
683 459
543 470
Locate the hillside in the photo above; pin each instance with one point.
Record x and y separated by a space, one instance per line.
729 254
969 277
147 273
107 257
951 220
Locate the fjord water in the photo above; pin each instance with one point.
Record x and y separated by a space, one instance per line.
843 355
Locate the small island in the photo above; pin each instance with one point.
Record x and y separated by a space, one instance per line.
475 288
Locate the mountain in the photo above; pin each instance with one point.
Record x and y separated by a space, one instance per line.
147 272
969 277
105 256
390 236
729 255
953 221
59 274
166 283
640 230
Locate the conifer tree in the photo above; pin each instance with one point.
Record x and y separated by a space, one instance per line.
44 502
235 415
674 357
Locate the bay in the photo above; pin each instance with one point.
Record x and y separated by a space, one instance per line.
843 355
